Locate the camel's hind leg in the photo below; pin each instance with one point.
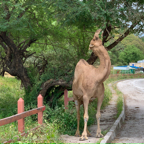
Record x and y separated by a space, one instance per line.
88 133
98 115
85 102
77 104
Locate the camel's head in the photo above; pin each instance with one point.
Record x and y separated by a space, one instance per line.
96 41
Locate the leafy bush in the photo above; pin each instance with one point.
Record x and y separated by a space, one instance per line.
67 120
131 54
48 133
56 69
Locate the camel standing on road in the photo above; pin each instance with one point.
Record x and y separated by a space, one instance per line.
88 84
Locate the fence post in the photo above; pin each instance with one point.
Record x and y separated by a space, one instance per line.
20 110
66 99
40 103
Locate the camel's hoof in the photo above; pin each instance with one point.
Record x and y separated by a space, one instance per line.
83 138
99 135
77 135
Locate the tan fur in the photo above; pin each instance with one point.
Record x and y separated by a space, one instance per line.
88 83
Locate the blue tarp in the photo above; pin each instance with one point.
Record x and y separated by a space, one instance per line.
125 67
135 67
120 68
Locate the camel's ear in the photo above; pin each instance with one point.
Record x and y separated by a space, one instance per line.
97 33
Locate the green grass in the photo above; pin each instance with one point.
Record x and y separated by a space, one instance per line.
10 92
56 120
48 133
99 141
119 104
119 101
68 119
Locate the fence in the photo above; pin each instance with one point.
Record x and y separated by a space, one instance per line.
22 114
134 75
67 99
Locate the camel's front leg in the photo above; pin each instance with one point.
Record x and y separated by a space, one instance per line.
98 115
88 133
85 102
77 104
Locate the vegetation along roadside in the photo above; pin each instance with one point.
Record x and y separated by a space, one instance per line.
56 120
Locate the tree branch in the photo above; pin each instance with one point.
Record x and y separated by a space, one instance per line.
45 86
9 42
109 39
29 55
23 42
22 13
3 45
26 56
106 33
28 44
120 38
93 58
8 13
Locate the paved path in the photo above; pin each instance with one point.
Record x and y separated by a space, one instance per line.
133 129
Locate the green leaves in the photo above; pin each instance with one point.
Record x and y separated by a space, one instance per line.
128 44
131 54
88 14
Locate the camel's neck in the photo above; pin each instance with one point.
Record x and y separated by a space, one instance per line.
105 63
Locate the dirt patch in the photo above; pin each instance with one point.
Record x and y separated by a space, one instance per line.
8 75
133 129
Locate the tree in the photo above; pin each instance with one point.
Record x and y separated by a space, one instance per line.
142 38
122 17
128 41
22 24
41 41
131 54
134 40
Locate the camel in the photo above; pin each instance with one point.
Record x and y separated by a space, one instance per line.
88 84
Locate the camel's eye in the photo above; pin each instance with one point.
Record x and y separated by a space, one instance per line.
96 38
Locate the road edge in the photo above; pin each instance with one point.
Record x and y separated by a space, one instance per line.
117 124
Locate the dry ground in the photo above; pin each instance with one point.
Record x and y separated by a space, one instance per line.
8 75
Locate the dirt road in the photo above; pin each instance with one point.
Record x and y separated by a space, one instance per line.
133 129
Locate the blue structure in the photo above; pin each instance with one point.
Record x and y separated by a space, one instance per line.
126 69
136 67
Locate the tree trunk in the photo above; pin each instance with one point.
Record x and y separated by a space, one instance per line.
50 83
92 58
14 60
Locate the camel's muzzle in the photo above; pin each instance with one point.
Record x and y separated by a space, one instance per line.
90 46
